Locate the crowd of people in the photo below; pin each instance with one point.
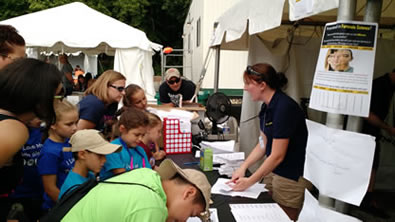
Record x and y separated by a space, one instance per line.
50 146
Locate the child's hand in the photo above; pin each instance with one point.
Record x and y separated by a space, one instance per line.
159 155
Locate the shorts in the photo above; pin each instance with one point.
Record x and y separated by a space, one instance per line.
287 192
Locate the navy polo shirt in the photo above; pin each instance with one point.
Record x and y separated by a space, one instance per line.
282 119
382 92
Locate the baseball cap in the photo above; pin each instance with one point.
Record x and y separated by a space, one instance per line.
91 140
172 72
168 169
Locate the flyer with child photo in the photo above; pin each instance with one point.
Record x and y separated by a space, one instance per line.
344 72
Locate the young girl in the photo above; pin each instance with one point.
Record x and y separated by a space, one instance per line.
132 128
135 97
53 163
149 142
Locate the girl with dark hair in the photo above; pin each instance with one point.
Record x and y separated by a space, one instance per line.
27 90
132 128
283 140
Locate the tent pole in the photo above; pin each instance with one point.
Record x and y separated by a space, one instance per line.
373 10
216 73
162 68
372 14
345 12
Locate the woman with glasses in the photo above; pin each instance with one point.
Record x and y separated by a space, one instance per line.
27 90
283 141
100 103
12 45
175 89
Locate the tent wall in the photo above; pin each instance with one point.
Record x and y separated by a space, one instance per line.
302 61
136 65
232 62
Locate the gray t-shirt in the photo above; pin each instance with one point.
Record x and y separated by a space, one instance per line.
65 69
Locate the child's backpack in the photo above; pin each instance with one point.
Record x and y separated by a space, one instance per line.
75 194
68 200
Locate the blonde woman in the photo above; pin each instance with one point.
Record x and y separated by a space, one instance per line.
101 101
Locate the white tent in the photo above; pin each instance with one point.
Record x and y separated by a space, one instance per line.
76 27
263 27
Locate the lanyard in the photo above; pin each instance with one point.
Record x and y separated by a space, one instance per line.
131 155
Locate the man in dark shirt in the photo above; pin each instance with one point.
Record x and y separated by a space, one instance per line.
175 89
382 93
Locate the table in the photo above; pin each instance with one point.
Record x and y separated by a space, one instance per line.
221 202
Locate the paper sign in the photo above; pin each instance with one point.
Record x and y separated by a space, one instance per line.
313 212
344 72
339 162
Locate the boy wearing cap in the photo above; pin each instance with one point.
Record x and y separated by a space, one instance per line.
168 194
175 89
89 151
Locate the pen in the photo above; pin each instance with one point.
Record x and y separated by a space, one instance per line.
191 163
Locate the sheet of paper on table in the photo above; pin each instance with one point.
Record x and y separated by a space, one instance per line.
224 157
220 187
313 212
213 216
219 146
258 213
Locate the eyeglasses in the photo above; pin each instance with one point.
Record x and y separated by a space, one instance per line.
176 80
119 88
251 71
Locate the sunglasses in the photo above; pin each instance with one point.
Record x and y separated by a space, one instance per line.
251 71
176 80
119 88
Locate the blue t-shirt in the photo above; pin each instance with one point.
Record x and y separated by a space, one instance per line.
94 110
53 160
284 119
72 180
31 185
128 158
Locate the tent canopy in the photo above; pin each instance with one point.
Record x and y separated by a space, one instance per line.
76 27
271 20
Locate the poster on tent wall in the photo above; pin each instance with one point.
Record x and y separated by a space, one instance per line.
344 72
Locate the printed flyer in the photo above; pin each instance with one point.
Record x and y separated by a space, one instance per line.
344 72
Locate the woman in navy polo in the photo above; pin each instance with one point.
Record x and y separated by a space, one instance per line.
283 140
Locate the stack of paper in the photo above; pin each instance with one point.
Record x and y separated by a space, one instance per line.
219 146
220 187
258 213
